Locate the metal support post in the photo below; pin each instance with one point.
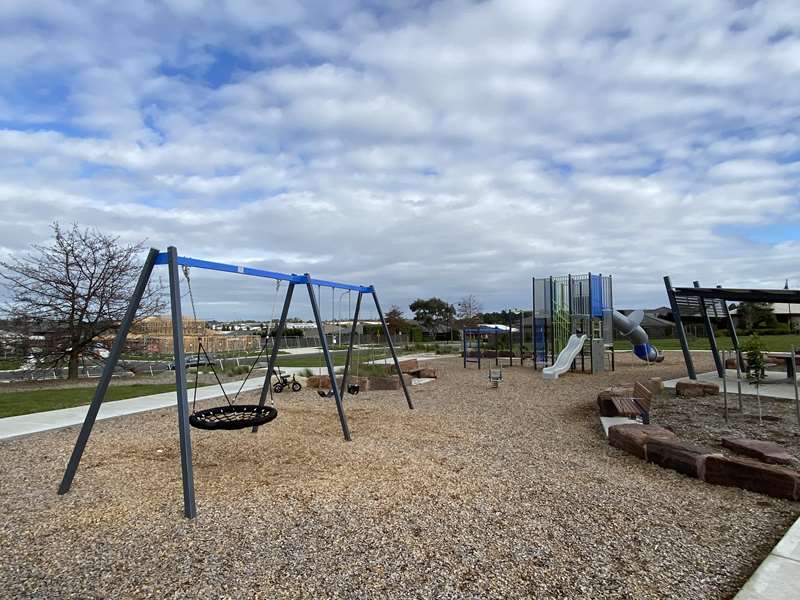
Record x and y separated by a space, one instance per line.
108 371
189 506
276 342
679 330
350 345
328 362
712 340
391 348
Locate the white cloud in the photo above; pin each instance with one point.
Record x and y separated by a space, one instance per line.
443 149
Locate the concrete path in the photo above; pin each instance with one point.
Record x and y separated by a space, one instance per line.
11 427
777 385
778 577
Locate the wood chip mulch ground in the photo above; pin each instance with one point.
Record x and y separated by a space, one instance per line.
478 493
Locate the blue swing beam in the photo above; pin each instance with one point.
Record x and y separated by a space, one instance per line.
163 259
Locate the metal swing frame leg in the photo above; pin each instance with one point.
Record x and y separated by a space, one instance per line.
391 349
350 345
108 371
328 362
275 347
187 474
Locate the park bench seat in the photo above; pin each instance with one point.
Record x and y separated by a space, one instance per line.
635 405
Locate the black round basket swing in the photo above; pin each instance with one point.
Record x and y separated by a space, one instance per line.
230 416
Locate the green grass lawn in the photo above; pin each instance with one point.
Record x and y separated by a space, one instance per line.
23 403
11 363
773 343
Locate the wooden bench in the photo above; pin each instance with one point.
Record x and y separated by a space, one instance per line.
635 405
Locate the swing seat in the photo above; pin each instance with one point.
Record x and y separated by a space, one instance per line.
237 416
353 388
324 394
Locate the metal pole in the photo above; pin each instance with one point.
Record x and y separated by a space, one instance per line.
108 371
552 323
725 388
794 381
189 506
276 342
350 345
533 322
464 344
679 330
328 361
611 300
712 340
739 384
391 348
732 329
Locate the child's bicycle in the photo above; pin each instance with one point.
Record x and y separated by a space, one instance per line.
284 382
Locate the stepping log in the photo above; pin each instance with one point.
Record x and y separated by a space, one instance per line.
684 457
768 452
771 480
633 437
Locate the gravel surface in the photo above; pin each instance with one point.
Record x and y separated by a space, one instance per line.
478 493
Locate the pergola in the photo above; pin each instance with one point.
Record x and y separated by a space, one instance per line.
710 303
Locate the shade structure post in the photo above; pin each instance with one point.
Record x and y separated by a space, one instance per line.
108 372
276 342
712 340
187 475
732 329
679 330
391 349
328 361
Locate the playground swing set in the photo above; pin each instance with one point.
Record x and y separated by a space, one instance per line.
229 416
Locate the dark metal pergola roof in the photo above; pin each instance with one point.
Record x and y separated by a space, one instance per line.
740 294
711 302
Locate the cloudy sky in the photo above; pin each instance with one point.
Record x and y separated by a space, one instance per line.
431 148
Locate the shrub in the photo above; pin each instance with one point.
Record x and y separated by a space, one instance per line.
234 371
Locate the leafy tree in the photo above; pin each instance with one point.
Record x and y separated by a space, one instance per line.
74 291
756 315
433 315
468 309
395 320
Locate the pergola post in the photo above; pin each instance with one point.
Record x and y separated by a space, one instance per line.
732 329
712 340
679 330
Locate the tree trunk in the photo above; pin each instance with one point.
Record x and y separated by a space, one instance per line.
74 364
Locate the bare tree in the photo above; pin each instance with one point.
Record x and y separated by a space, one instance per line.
74 291
468 309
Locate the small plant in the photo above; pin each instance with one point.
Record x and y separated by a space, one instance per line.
754 351
307 372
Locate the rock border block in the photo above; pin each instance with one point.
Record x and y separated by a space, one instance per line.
633 437
771 480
